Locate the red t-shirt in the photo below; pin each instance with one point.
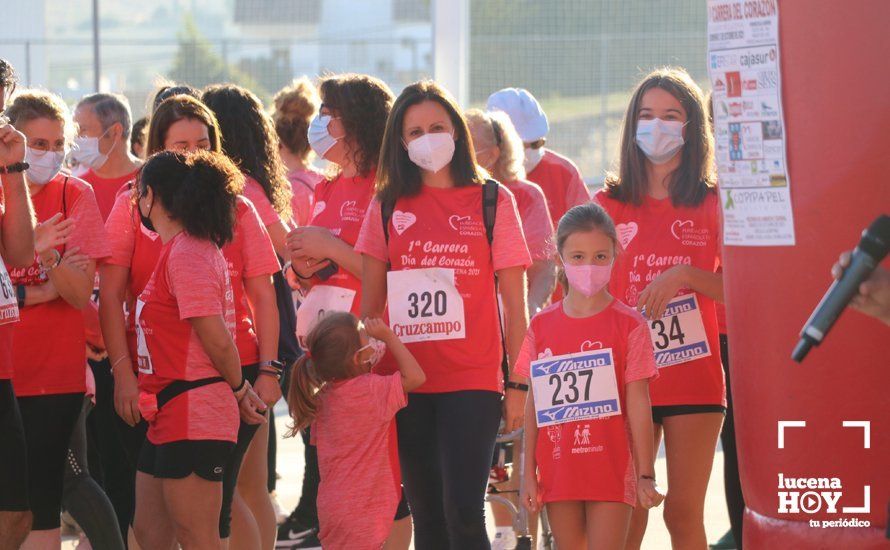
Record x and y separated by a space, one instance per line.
441 281
590 459
191 280
340 206
656 236
536 223
135 248
561 182
254 191
302 185
106 189
250 254
355 434
49 342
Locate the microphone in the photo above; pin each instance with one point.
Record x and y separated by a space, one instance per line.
868 254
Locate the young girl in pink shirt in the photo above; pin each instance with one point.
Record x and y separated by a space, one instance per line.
352 412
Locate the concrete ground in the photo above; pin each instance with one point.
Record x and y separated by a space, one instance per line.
290 467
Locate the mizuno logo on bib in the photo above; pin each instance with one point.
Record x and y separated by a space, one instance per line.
424 305
577 386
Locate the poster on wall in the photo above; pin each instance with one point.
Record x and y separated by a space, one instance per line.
749 127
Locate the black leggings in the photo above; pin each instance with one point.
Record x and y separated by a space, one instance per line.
82 496
233 465
446 441
732 485
48 421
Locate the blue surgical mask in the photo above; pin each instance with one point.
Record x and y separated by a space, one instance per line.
320 139
43 165
659 139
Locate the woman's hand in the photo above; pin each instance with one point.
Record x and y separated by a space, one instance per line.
12 144
529 496
95 354
52 233
74 259
306 268
514 409
126 393
654 299
268 389
648 493
251 407
310 241
873 296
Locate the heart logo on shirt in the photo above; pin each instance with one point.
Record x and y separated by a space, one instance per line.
589 345
402 220
626 233
319 208
345 207
455 221
677 227
546 353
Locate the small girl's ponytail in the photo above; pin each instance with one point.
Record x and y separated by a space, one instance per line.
302 394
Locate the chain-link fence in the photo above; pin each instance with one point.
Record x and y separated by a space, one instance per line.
579 57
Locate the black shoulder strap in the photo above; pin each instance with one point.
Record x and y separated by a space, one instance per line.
386 209
65 198
489 207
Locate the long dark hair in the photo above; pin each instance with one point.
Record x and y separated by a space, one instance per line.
174 109
249 139
690 183
397 175
363 104
332 343
199 190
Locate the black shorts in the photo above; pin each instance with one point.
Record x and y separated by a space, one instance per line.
13 453
179 459
402 510
659 413
49 421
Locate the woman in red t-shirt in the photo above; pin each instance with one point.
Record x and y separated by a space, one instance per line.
589 447
49 380
184 123
190 380
433 268
295 107
499 150
347 133
666 212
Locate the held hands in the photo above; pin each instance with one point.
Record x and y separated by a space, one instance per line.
251 407
75 260
873 297
12 145
52 232
514 410
648 493
309 242
654 299
268 389
306 267
126 393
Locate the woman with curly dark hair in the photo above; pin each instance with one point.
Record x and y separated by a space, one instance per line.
191 384
347 132
249 139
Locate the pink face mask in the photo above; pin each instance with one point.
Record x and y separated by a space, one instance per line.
588 279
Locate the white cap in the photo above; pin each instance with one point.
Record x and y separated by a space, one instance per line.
524 111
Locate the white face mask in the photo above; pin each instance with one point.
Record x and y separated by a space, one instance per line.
320 139
378 349
532 158
659 139
86 151
43 165
432 152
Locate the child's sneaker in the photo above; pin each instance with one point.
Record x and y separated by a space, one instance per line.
292 534
504 539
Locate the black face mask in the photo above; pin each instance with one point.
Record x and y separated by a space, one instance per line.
146 221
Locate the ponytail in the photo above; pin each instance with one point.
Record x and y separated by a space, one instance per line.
302 394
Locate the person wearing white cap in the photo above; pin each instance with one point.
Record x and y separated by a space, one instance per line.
557 176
